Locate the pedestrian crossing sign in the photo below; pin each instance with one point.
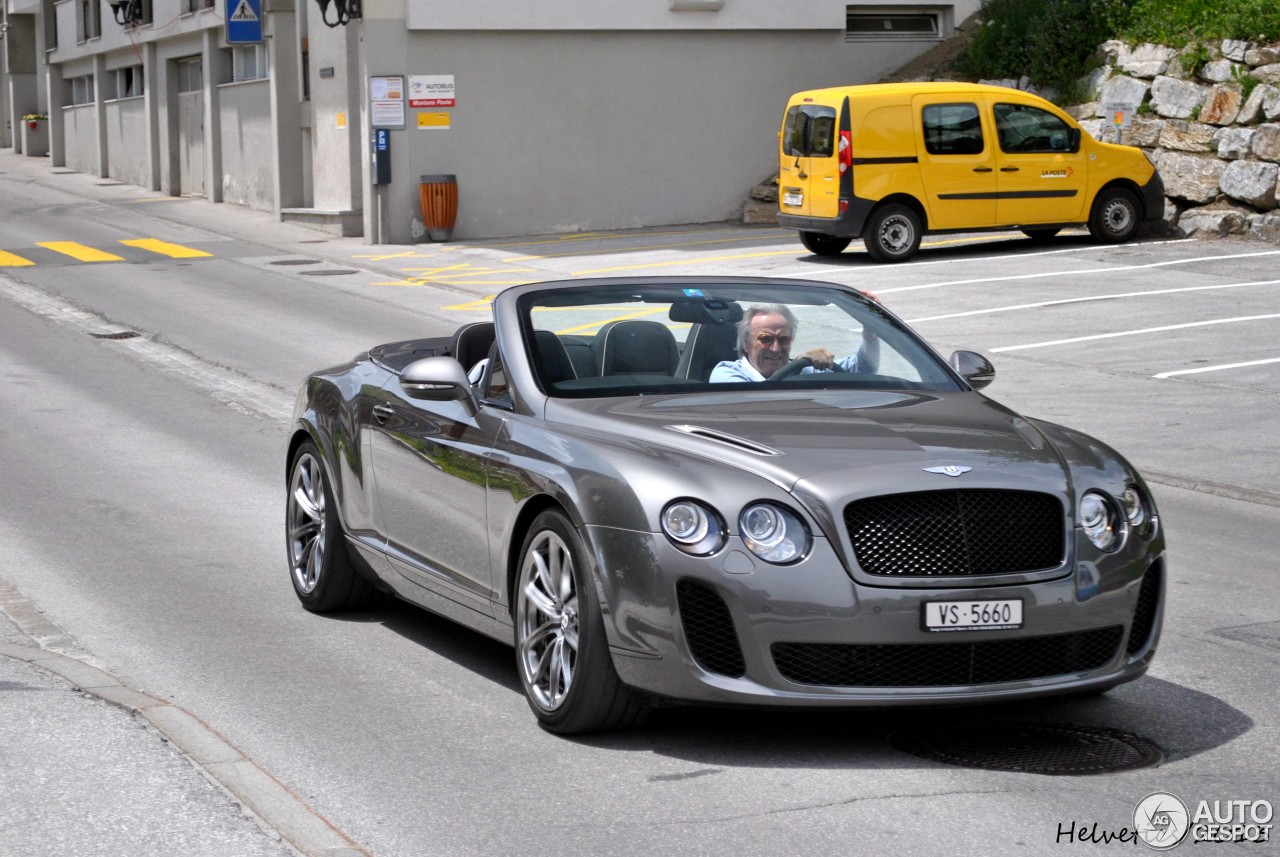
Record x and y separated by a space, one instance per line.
244 21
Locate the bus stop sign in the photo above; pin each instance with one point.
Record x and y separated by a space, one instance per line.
244 22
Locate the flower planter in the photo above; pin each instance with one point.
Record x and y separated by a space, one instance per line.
35 137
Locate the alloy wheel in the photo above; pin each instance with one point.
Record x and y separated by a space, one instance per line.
547 620
306 517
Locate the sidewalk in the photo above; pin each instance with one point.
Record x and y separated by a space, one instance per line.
91 766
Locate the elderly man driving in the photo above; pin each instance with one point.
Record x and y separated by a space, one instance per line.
765 335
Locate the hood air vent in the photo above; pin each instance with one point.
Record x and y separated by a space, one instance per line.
727 439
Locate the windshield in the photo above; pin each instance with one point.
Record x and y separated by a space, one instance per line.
620 340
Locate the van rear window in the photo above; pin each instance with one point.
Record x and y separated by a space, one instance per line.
952 129
809 131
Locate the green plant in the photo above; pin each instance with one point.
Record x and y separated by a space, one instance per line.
1248 83
1194 58
1144 109
32 117
1195 113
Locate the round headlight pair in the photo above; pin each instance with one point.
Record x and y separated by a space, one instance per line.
773 533
1101 521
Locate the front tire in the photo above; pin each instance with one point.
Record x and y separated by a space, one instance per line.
561 650
1116 216
892 233
322 573
824 245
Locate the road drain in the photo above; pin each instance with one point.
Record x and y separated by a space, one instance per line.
123 334
326 272
1032 748
295 262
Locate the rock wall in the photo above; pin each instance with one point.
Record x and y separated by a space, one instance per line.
1209 118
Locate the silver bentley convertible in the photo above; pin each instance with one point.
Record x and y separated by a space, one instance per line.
722 491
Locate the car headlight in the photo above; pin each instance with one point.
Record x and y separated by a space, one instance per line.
1100 521
693 527
1139 512
773 533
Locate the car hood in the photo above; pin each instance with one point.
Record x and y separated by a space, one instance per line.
832 445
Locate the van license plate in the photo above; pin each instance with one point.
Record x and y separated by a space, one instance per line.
793 197
972 615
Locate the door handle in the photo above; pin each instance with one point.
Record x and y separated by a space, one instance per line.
1008 169
982 169
382 413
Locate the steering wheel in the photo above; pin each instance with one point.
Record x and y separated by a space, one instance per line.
795 367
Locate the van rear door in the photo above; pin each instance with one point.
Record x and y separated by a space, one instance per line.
957 160
808 166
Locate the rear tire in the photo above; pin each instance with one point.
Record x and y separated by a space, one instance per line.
1116 216
562 653
892 233
824 245
324 578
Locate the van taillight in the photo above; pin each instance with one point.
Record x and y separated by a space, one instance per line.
846 151
844 206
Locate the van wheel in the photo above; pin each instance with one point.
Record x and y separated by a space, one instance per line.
893 233
824 245
1116 216
1039 236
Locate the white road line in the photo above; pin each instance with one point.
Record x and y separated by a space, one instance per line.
896 270
1217 368
1040 304
1115 269
1120 333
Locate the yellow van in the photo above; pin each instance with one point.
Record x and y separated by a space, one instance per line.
889 162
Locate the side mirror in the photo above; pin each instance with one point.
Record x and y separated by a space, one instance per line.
974 368
438 379
1073 140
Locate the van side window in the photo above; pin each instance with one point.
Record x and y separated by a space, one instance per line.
809 131
953 129
1029 129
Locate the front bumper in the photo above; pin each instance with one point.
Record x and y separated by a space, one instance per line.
731 630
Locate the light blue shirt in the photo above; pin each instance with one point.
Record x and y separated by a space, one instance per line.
867 360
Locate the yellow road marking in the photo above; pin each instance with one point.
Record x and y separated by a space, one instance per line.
164 248
79 251
483 303
597 324
8 260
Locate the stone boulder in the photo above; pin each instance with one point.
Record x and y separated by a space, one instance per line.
1265 144
1262 56
1254 107
1191 178
1267 73
1218 71
1253 182
1265 227
1143 132
1234 49
1176 99
1182 136
1214 221
1145 60
1123 90
1233 143
1223 104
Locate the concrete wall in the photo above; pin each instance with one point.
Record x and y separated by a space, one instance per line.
248 162
80 129
562 131
126 128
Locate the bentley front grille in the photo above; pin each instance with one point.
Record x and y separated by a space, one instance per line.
708 627
946 664
956 533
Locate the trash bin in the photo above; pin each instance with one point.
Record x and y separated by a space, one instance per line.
439 198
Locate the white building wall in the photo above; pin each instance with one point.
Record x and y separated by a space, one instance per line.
248 165
126 130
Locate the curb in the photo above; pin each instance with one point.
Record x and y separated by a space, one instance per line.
270 801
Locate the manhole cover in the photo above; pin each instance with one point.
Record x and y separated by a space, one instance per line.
123 334
296 262
1032 748
326 272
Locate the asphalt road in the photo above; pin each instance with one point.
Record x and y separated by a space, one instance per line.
142 507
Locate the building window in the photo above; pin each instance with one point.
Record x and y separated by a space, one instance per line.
50 25
129 82
196 5
873 23
90 19
82 89
248 62
190 75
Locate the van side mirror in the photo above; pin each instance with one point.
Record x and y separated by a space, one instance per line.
1073 140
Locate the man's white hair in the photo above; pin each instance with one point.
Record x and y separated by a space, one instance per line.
744 326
